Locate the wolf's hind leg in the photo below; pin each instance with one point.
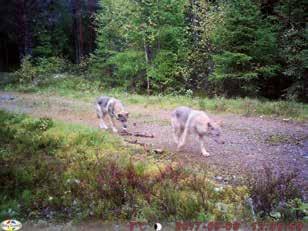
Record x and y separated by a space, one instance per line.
175 130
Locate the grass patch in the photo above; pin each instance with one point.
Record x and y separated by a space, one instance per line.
278 139
55 170
79 88
275 195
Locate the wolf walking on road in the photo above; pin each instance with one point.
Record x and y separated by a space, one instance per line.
185 120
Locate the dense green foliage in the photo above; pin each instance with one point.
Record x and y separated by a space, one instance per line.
52 170
253 48
246 48
140 44
234 48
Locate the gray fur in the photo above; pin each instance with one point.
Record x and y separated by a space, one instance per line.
181 114
113 108
185 120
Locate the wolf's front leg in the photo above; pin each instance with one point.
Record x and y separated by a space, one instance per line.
112 125
182 138
102 124
175 137
203 150
181 142
114 130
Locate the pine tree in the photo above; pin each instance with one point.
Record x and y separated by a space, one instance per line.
293 46
246 45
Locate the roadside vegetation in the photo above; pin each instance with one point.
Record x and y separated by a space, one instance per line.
72 85
56 171
53 170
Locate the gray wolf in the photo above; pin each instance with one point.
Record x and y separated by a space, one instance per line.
185 120
113 109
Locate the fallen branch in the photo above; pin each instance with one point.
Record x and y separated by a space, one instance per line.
136 134
135 142
145 146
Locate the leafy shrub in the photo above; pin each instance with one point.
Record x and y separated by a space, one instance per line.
293 210
275 194
39 71
162 72
8 208
220 104
42 124
27 72
82 68
129 69
51 66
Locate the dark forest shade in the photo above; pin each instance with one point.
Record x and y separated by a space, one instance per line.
45 28
9 59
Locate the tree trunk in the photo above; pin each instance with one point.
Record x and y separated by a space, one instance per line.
158 26
194 21
23 29
148 60
91 30
7 56
77 30
80 29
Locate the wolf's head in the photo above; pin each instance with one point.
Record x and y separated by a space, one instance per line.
215 131
122 117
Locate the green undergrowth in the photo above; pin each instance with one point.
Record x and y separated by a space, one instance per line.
79 88
54 170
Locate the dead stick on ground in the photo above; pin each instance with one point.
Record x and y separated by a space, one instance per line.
134 142
145 146
137 134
